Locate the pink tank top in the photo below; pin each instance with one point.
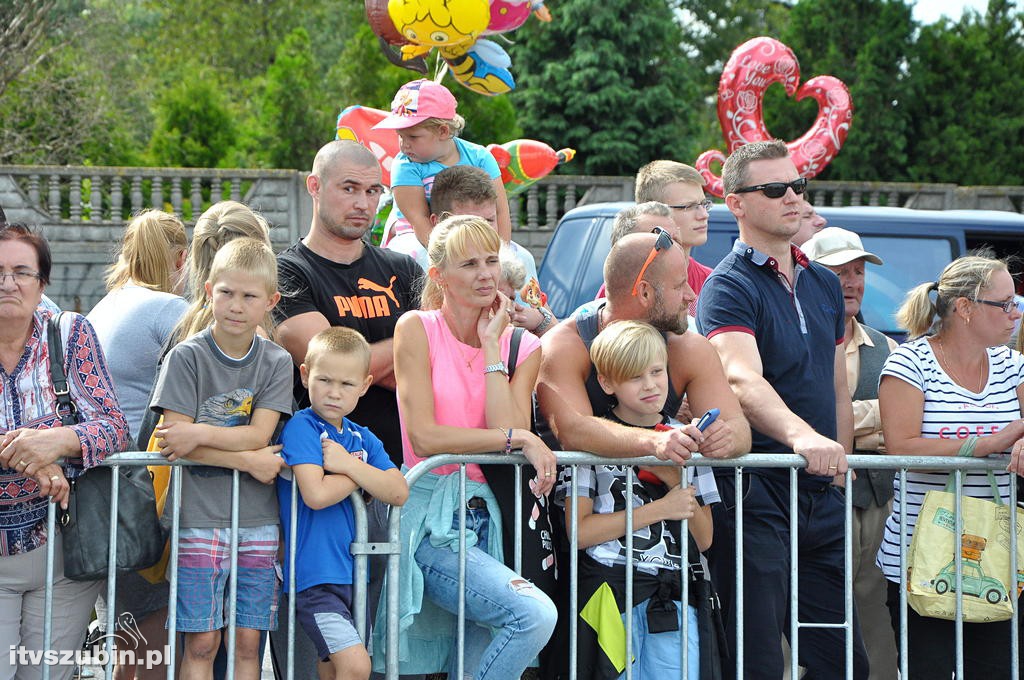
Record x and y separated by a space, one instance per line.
460 392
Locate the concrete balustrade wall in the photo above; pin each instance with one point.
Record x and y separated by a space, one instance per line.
83 210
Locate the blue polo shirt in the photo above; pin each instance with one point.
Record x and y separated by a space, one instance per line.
796 328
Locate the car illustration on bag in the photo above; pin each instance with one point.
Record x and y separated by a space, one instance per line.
975 581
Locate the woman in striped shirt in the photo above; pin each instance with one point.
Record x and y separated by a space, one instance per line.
952 389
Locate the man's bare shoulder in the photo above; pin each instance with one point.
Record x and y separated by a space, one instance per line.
691 354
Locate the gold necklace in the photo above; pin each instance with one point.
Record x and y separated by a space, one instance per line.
949 367
473 356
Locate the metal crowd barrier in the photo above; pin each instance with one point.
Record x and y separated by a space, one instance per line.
139 458
361 548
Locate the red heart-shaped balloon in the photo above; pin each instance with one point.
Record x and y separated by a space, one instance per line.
754 66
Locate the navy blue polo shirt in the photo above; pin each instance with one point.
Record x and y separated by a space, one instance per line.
796 328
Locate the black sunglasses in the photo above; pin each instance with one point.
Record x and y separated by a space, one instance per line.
664 242
777 189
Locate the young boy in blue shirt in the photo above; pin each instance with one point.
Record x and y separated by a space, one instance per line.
331 457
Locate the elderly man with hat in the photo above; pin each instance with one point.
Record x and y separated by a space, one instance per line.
866 350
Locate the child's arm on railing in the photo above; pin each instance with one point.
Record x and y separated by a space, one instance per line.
181 435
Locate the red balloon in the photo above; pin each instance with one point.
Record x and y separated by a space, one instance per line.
356 123
754 66
381 24
524 161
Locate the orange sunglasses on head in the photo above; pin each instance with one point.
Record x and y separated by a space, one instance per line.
664 242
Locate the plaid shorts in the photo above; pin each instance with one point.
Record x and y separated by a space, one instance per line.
204 562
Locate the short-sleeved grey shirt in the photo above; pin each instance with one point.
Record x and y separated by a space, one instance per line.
199 380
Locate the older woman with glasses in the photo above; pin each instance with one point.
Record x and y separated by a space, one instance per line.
38 455
952 389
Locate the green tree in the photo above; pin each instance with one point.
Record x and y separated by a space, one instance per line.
194 126
609 79
711 30
294 120
965 105
864 43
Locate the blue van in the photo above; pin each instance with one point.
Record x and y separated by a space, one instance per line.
914 244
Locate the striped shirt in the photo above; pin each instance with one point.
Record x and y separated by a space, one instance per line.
950 412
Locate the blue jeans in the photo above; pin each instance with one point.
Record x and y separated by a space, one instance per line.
496 598
656 655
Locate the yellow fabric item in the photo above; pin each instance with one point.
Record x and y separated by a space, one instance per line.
161 484
984 549
602 614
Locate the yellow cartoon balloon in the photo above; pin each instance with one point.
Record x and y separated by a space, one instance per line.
432 23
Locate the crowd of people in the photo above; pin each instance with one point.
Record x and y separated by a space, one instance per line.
337 364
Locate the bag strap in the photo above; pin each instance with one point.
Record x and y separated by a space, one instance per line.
993 485
513 350
65 407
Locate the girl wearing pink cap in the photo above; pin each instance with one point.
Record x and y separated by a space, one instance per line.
423 113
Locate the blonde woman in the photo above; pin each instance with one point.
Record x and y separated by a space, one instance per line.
455 396
954 389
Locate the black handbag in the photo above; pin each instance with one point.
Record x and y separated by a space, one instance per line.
85 525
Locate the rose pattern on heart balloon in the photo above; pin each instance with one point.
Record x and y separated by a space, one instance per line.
752 67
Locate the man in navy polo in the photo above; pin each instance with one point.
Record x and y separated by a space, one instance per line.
776 320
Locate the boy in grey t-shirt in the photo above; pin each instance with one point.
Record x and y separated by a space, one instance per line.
222 392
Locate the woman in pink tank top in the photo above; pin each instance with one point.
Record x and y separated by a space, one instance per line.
455 396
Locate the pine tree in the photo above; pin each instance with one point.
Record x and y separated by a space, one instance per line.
610 79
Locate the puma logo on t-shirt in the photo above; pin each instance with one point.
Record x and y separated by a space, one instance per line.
368 306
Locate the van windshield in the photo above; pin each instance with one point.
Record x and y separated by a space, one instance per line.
908 262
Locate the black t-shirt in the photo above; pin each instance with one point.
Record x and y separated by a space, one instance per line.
368 295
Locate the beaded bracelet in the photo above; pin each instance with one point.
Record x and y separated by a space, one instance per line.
508 439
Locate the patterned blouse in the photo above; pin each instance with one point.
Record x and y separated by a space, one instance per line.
27 400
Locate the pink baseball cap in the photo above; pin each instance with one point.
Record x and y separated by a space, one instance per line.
416 102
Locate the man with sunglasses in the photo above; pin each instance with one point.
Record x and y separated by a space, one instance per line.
681 188
777 322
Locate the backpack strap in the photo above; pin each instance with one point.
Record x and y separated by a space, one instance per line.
65 407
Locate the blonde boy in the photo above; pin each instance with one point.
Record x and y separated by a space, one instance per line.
331 457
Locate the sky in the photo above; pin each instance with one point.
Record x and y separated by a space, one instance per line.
929 11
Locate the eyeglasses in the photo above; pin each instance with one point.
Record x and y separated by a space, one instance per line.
706 204
20 276
1007 306
777 189
664 242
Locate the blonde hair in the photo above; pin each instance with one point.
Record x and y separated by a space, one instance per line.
513 271
455 125
654 178
152 241
449 240
338 340
967 276
248 255
625 349
221 223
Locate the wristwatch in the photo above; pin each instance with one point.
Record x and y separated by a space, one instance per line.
496 368
545 322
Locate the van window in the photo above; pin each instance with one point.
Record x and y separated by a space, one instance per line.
908 261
